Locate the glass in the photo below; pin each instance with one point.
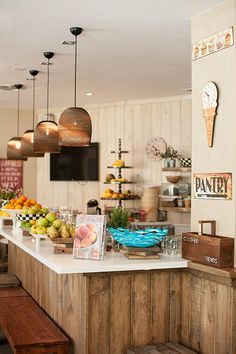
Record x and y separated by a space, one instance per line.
64 212
172 245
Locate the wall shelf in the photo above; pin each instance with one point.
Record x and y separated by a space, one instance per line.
176 169
176 209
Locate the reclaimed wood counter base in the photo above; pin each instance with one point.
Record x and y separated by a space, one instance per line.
107 313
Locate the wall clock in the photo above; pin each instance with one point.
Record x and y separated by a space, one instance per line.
209 108
155 147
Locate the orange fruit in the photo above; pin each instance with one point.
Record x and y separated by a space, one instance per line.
27 203
32 201
23 198
12 201
39 206
18 207
7 206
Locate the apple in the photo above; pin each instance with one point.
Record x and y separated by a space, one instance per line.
42 222
44 210
57 223
33 229
25 210
32 211
50 217
41 230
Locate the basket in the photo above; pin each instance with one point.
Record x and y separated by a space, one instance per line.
170 202
29 217
139 238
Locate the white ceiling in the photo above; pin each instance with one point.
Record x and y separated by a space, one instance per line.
130 49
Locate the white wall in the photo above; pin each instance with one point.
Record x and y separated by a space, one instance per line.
135 122
219 67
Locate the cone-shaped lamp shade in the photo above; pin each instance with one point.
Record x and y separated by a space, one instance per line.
27 145
46 137
14 149
74 127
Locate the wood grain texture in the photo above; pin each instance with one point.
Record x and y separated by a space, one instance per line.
135 123
110 312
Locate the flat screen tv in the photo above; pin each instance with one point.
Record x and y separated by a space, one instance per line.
75 164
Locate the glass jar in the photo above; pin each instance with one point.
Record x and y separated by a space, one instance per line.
172 245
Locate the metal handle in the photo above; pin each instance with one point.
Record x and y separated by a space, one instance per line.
211 222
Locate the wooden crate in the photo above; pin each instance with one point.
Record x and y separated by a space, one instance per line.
165 348
217 251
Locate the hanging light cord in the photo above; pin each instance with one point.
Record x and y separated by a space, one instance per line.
33 99
47 88
18 111
75 92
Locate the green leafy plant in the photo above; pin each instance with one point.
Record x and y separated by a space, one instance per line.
170 153
118 218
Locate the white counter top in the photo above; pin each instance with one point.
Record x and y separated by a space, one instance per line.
66 264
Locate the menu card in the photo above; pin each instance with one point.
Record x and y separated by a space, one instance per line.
89 242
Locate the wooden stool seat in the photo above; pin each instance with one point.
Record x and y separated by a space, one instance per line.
27 328
165 348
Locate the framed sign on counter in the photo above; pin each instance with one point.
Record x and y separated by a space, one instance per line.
11 174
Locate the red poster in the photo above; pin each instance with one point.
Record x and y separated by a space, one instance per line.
11 174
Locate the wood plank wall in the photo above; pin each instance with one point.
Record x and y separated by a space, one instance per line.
110 312
104 313
135 123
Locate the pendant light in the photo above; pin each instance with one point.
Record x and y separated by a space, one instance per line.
74 126
45 133
27 139
14 144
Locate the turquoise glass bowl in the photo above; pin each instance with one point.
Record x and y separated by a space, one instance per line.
138 238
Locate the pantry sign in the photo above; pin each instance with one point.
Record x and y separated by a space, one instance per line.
212 185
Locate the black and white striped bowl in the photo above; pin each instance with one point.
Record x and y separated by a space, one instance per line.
29 217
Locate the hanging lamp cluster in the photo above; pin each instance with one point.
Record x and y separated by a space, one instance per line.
73 129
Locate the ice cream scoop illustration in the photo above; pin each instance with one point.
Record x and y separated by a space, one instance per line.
209 108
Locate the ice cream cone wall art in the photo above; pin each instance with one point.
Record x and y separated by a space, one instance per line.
209 108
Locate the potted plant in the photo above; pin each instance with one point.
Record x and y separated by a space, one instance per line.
6 194
170 156
118 218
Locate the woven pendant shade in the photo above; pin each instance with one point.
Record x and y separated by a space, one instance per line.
46 137
75 127
14 149
27 139
14 144
27 145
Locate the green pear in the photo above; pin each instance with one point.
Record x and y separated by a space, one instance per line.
52 232
64 232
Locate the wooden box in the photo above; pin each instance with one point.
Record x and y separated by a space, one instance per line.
165 348
210 249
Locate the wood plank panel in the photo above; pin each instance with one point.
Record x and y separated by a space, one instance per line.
160 315
186 308
99 315
120 317
140 309
175 311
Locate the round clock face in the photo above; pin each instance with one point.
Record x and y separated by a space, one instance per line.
209 95
155 147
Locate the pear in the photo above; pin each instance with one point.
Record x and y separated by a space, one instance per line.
52 232
72 230
64 232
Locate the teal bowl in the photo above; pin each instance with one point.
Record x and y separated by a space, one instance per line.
139 238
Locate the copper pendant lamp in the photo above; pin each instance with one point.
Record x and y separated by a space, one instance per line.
45 133
14 144
27 139
74 126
